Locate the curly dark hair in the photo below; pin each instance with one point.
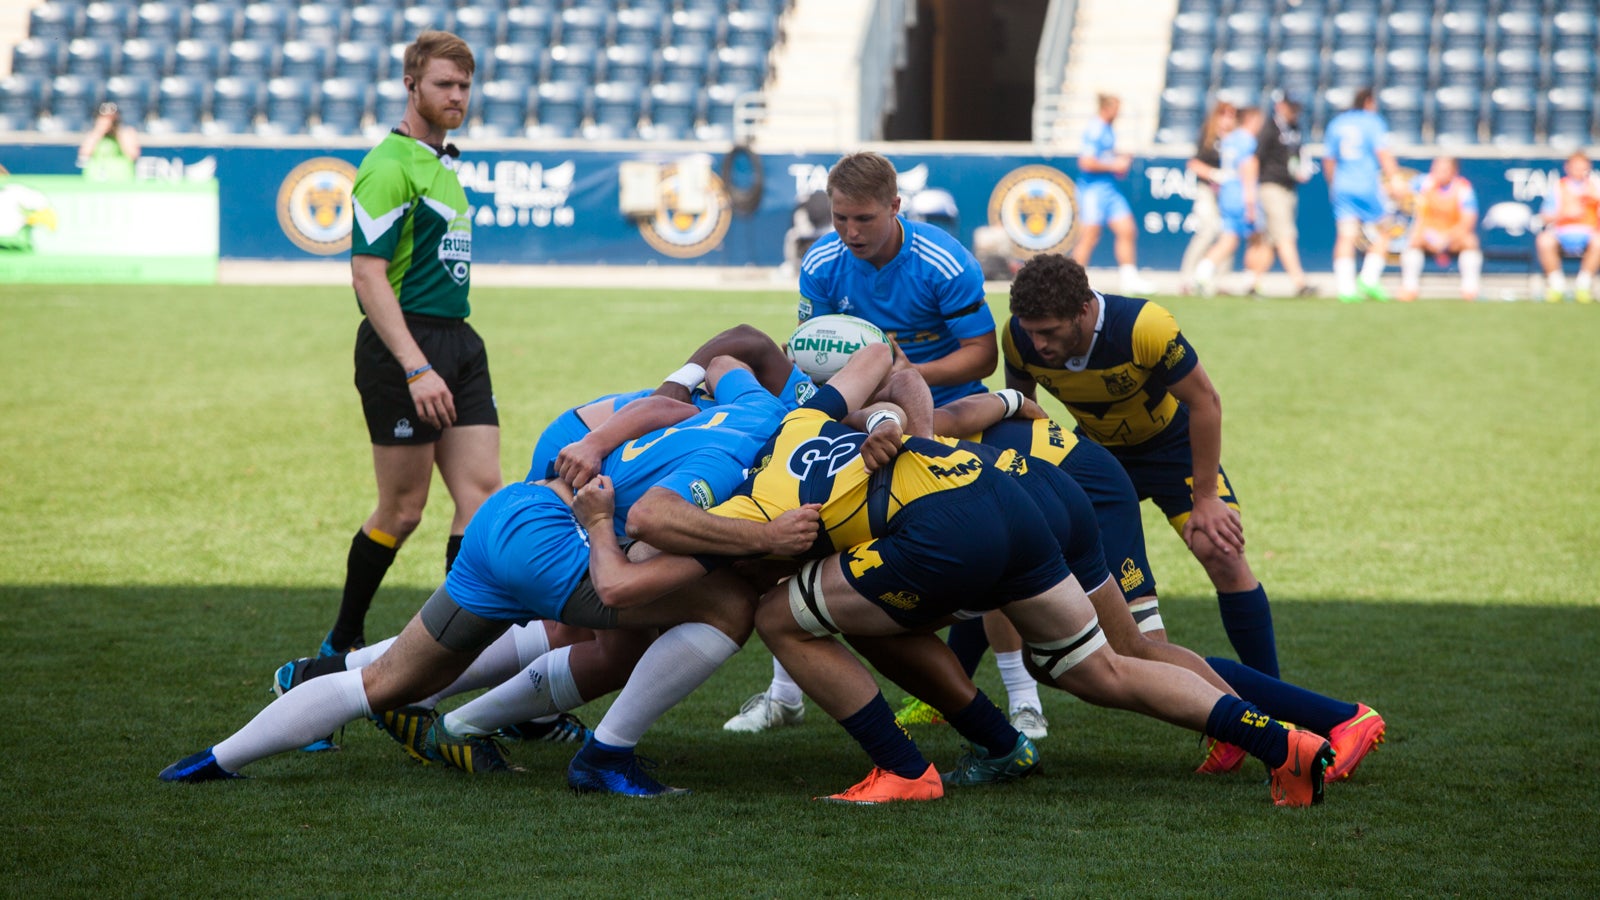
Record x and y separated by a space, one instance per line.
1050 286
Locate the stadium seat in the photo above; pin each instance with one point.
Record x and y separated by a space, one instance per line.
695 28
1351 67
217 23
481 28
1188 68
1242 71
755 29
503 108
1519 30
630 63
374 24
234 101
304 59
1301 29
110 20
180 101
1460 67
1518 67
1408 30
145 57
1575 29
718 106
1182 111
712 6
1464 29
744 67
529 25
92 57
562 107
133 95
197 59
1296 70
615 110
57 21
361 60
1569 118
684 65
1573 68
1513 116
1245 31
39 57
1406 67
271 22
518 62
673 110
389 98
414 20
343 105
253 58
73 99
1355 29
1457 112
575 64
288 106
321 23
1194 31
585 26
1327 104
163 21
21 100
1422 6
1405 109
640 27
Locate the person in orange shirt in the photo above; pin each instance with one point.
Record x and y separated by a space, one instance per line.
1571 214
1446 225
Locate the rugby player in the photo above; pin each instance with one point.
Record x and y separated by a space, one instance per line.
1100 203
1358 166
1571 212
1444 223
1238 179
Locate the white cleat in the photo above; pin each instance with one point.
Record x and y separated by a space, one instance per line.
761 713
1030 722
1137 287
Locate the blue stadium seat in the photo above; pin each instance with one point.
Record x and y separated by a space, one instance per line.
695 28
1457 113
73 99
1518 67
1352 67
180 101
1464 29
1245 31
110 20
234 103
1301 29
631 63
481 28
389 98
1575 29
744 67
673 110
361 60
345 102
1188 68
1408 30
1422 6
1461 67
417 19
1327 104
1182 111
1574 68
272 22
133 95
61 20
321 23
684 65
1264 7
145 57
1242 71
1194 31
503 108
304 59
1522 30
585 26
518 62
1296 70
163 21
1569 118
1513 116
718 107
21 100
640 27
572 63
1405 109
288 107
616 108
218 23
529 25
1355 29
92 57
253 58
747 28
39 57
562 107
374 24
712 6
197 59
1406 67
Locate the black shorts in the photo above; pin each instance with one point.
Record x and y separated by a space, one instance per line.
453 349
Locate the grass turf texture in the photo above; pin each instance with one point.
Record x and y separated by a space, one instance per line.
183 468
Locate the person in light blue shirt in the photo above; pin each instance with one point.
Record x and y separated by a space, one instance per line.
1359 166
1100 203
1238 177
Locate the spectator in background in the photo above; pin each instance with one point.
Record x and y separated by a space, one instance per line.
1099 201
1358 167
1444 223
1206 164
1282 173
1571 213
111 147
1237 197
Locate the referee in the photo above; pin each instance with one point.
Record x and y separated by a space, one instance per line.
420 368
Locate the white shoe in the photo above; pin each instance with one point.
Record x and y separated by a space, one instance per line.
1030 722
1137 287
761 712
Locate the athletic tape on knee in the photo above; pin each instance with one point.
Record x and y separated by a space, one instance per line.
532 642
1147 614
564 691
806 602
1058 657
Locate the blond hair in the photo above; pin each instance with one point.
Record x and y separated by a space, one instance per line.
864 176
431 45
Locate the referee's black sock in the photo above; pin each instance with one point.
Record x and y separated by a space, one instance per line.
452 548
368 562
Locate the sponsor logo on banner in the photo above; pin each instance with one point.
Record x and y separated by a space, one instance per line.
1037 207
684 234
522 194
315 209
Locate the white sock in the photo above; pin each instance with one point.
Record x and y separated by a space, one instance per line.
1372 267
532 642
1557 280
543 689
1584 280
1471 269
495 664
783 689
1021 689
677 663
1204 271
1411 269
365 656
308 713
1344 276
1129 273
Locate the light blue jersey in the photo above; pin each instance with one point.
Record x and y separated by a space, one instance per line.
1353 139
928 298
1238 146
1099 143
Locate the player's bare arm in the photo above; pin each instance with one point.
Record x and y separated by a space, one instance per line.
1022 382
370 277
580 460
1211 516
973 360
672 524
751 346
622 583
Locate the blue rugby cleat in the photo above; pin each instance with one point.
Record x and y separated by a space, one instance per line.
629 775
197 768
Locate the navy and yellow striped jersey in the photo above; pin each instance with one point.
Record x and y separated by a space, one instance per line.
1044 439
1119 393
814 459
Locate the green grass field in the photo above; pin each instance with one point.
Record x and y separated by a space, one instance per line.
180 471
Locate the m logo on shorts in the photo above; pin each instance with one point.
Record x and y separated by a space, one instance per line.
832 453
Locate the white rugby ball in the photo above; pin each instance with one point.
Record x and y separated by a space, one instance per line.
823 344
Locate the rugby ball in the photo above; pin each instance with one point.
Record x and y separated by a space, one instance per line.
823 344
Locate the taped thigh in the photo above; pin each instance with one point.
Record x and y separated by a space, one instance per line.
806 603
1058 657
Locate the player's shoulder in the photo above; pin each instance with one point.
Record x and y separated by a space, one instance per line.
826 255
938 254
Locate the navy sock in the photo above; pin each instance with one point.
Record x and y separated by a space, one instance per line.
968 641
1282 700
985 726
365 567
599 753
323 665
874 728
1238 723
1247 618
452 548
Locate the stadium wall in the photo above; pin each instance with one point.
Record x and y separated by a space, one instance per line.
565 206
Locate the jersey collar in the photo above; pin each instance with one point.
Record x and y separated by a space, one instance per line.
1079 363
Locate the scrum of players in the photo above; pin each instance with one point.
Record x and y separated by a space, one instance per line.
846 522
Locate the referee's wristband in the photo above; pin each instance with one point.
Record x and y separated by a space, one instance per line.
1012 398
880 417
418 372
